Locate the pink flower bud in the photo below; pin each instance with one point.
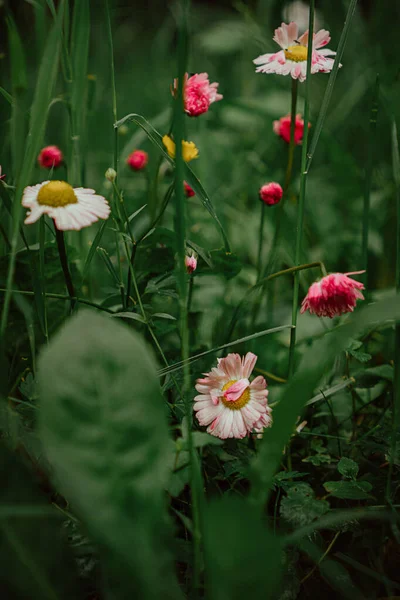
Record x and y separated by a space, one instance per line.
333 295
190 263
282 128
2 176
189 192
137 160
50 157
271 193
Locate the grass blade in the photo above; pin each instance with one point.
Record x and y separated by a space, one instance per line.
156 138
80 36
331 82
19 88
43 93
192 359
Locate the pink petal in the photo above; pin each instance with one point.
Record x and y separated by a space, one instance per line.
234 392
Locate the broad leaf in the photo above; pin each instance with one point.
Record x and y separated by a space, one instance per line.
349 490
300 506
104 429
348 467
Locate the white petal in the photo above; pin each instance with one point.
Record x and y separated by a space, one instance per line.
34 214
31 193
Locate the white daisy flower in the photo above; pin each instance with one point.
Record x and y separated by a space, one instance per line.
292 59
71 208
229 404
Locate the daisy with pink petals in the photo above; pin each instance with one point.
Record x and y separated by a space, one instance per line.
292 59
228 403
199 93
333 295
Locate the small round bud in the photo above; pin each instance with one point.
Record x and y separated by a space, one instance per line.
271 193
137 160
111 174
50 157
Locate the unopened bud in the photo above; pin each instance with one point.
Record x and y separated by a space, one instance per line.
111 174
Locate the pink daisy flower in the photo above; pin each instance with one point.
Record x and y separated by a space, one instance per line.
199 93
282 128
228 403
333 295
292 59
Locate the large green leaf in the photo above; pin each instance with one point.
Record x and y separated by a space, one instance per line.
242 557
35 562
104 429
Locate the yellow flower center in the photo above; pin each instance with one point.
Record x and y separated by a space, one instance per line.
56 193
240 402
189 150
296 53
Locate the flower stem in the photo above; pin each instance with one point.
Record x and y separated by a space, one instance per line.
265 280
62 297
260 241
42 239
64 265
288 177
180 230
396 382
292 144
302 197
368 177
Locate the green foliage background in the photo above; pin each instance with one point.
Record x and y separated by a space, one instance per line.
120 494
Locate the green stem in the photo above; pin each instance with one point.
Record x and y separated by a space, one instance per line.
180 230
288 177
302 197
368 178
260 241
135 245
64 265
265 280
62 297
42 240
396 382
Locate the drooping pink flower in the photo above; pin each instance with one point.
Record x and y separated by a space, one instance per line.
137 160
333 295
191 261
2 175
292 59
189 192
199 93
50 157
271 193
282 128
228 403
